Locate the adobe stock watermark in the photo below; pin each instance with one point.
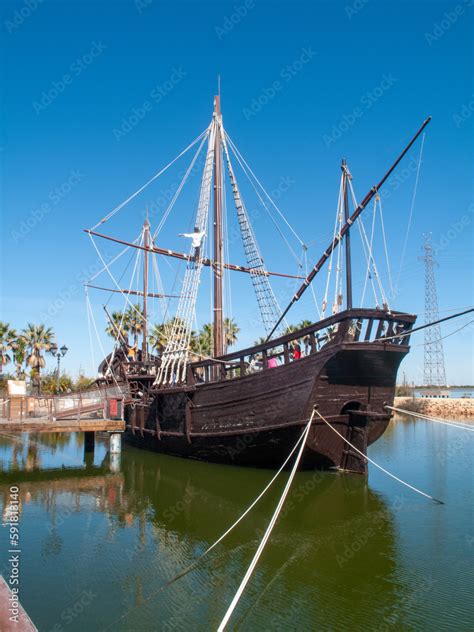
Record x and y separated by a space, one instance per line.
66 295
156 96
54 197
75 69
447 21
285 76
465 113
141 5
355 8
75 610
455 229
366 103
231 21
21 15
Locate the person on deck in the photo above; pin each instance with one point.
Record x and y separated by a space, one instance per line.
296 351
196 239
272 363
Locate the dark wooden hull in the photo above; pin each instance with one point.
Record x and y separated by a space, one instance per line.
256 419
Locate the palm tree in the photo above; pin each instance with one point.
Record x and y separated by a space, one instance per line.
119 326
160 334
7 337
19 355
203 343
205 340
134 317
38 338
157 336
305 323
231 331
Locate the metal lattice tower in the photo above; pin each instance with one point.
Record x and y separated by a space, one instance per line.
434 373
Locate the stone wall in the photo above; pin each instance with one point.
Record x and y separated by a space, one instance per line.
454 408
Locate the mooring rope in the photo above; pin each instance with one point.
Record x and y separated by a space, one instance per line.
440 502
267 534
197 561
455 424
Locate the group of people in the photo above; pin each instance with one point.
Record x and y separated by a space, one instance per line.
256 363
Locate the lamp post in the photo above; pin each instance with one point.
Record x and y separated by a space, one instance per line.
58 353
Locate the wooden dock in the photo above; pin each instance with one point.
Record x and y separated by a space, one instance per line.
13 617
61 425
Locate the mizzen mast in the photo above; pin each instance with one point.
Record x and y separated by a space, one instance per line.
218 320
347 239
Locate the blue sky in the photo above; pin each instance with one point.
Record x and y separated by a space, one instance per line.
98 96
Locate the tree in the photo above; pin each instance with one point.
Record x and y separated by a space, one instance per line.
7 337
83 382
157 337
38 338
134 316
49 383
161 334
203 343
231 331
119 326
19 355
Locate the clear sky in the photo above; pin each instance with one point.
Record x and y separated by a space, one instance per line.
97 96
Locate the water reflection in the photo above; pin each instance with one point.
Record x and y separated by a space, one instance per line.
342 556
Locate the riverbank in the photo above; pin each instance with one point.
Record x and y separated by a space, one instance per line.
450 407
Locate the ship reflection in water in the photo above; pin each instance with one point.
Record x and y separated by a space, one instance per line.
346 554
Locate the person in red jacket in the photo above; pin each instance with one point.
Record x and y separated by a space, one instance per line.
296 351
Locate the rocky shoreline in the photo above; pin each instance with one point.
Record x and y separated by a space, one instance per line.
453 408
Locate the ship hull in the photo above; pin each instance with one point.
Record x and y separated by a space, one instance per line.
256 419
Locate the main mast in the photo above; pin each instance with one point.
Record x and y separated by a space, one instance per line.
218 326
146 244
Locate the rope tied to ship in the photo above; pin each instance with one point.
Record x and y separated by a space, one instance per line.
415 489
446 422
198 560
267 533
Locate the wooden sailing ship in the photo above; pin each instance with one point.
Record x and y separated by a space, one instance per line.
249 407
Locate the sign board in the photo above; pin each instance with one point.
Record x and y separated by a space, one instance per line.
16 387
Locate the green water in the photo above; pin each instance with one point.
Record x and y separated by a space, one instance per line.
347 553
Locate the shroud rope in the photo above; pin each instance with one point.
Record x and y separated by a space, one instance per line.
455 424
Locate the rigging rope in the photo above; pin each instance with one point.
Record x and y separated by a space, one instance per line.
94 276
440 502
270 310
268 531
244 166
370 246
179 189
410 217
312 284
446 422
328 278
431 342
392 291
176 354
157 175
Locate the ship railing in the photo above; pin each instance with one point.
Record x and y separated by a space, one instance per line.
363 326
